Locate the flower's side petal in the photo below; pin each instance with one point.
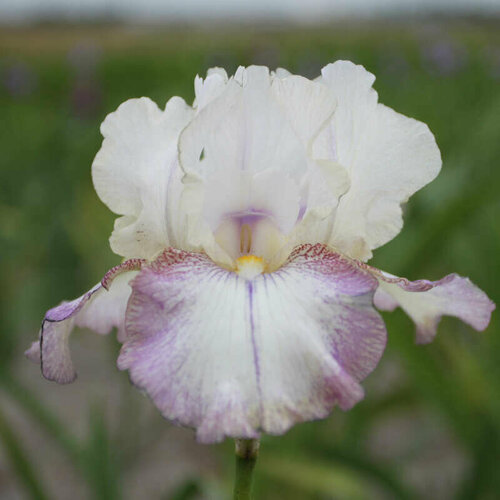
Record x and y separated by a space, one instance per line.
388 156
427 301
134 169
100 309
233 357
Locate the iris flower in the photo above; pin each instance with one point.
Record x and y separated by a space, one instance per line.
244 302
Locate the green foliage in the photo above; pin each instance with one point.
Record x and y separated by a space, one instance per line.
20 462
54 230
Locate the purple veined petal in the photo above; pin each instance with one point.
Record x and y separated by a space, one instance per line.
100 309
427 301
232 357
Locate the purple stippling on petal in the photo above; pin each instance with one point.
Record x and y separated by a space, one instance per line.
231 356
128 265
55 357
53 351
67 309
427 301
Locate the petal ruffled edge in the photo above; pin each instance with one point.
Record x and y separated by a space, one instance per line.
135 174
389 157
426 302
52 349
232 357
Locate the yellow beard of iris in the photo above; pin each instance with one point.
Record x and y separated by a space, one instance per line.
250 266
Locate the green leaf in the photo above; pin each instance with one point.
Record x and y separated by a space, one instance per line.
316 477
100 459
19 461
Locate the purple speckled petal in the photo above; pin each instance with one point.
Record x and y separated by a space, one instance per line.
233 357
101 309
427 301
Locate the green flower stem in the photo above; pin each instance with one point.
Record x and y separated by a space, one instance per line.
246 456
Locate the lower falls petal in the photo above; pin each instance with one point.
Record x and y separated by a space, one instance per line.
231 356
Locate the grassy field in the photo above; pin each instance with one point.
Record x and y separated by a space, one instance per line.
430 424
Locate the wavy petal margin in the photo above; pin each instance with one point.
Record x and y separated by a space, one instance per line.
233 357
427 301
100 309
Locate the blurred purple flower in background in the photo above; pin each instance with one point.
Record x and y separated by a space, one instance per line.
19 79
444 57
86 93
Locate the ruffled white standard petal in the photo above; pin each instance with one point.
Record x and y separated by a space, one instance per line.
231 147
280 73
244 129
134 173
233 357
307 105
388 157
101 309
209 88
310 106
427 301
260 127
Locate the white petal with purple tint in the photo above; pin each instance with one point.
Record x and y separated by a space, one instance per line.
106 309
101 309
427 301
232 356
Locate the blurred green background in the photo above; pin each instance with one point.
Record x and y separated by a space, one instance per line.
430 424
